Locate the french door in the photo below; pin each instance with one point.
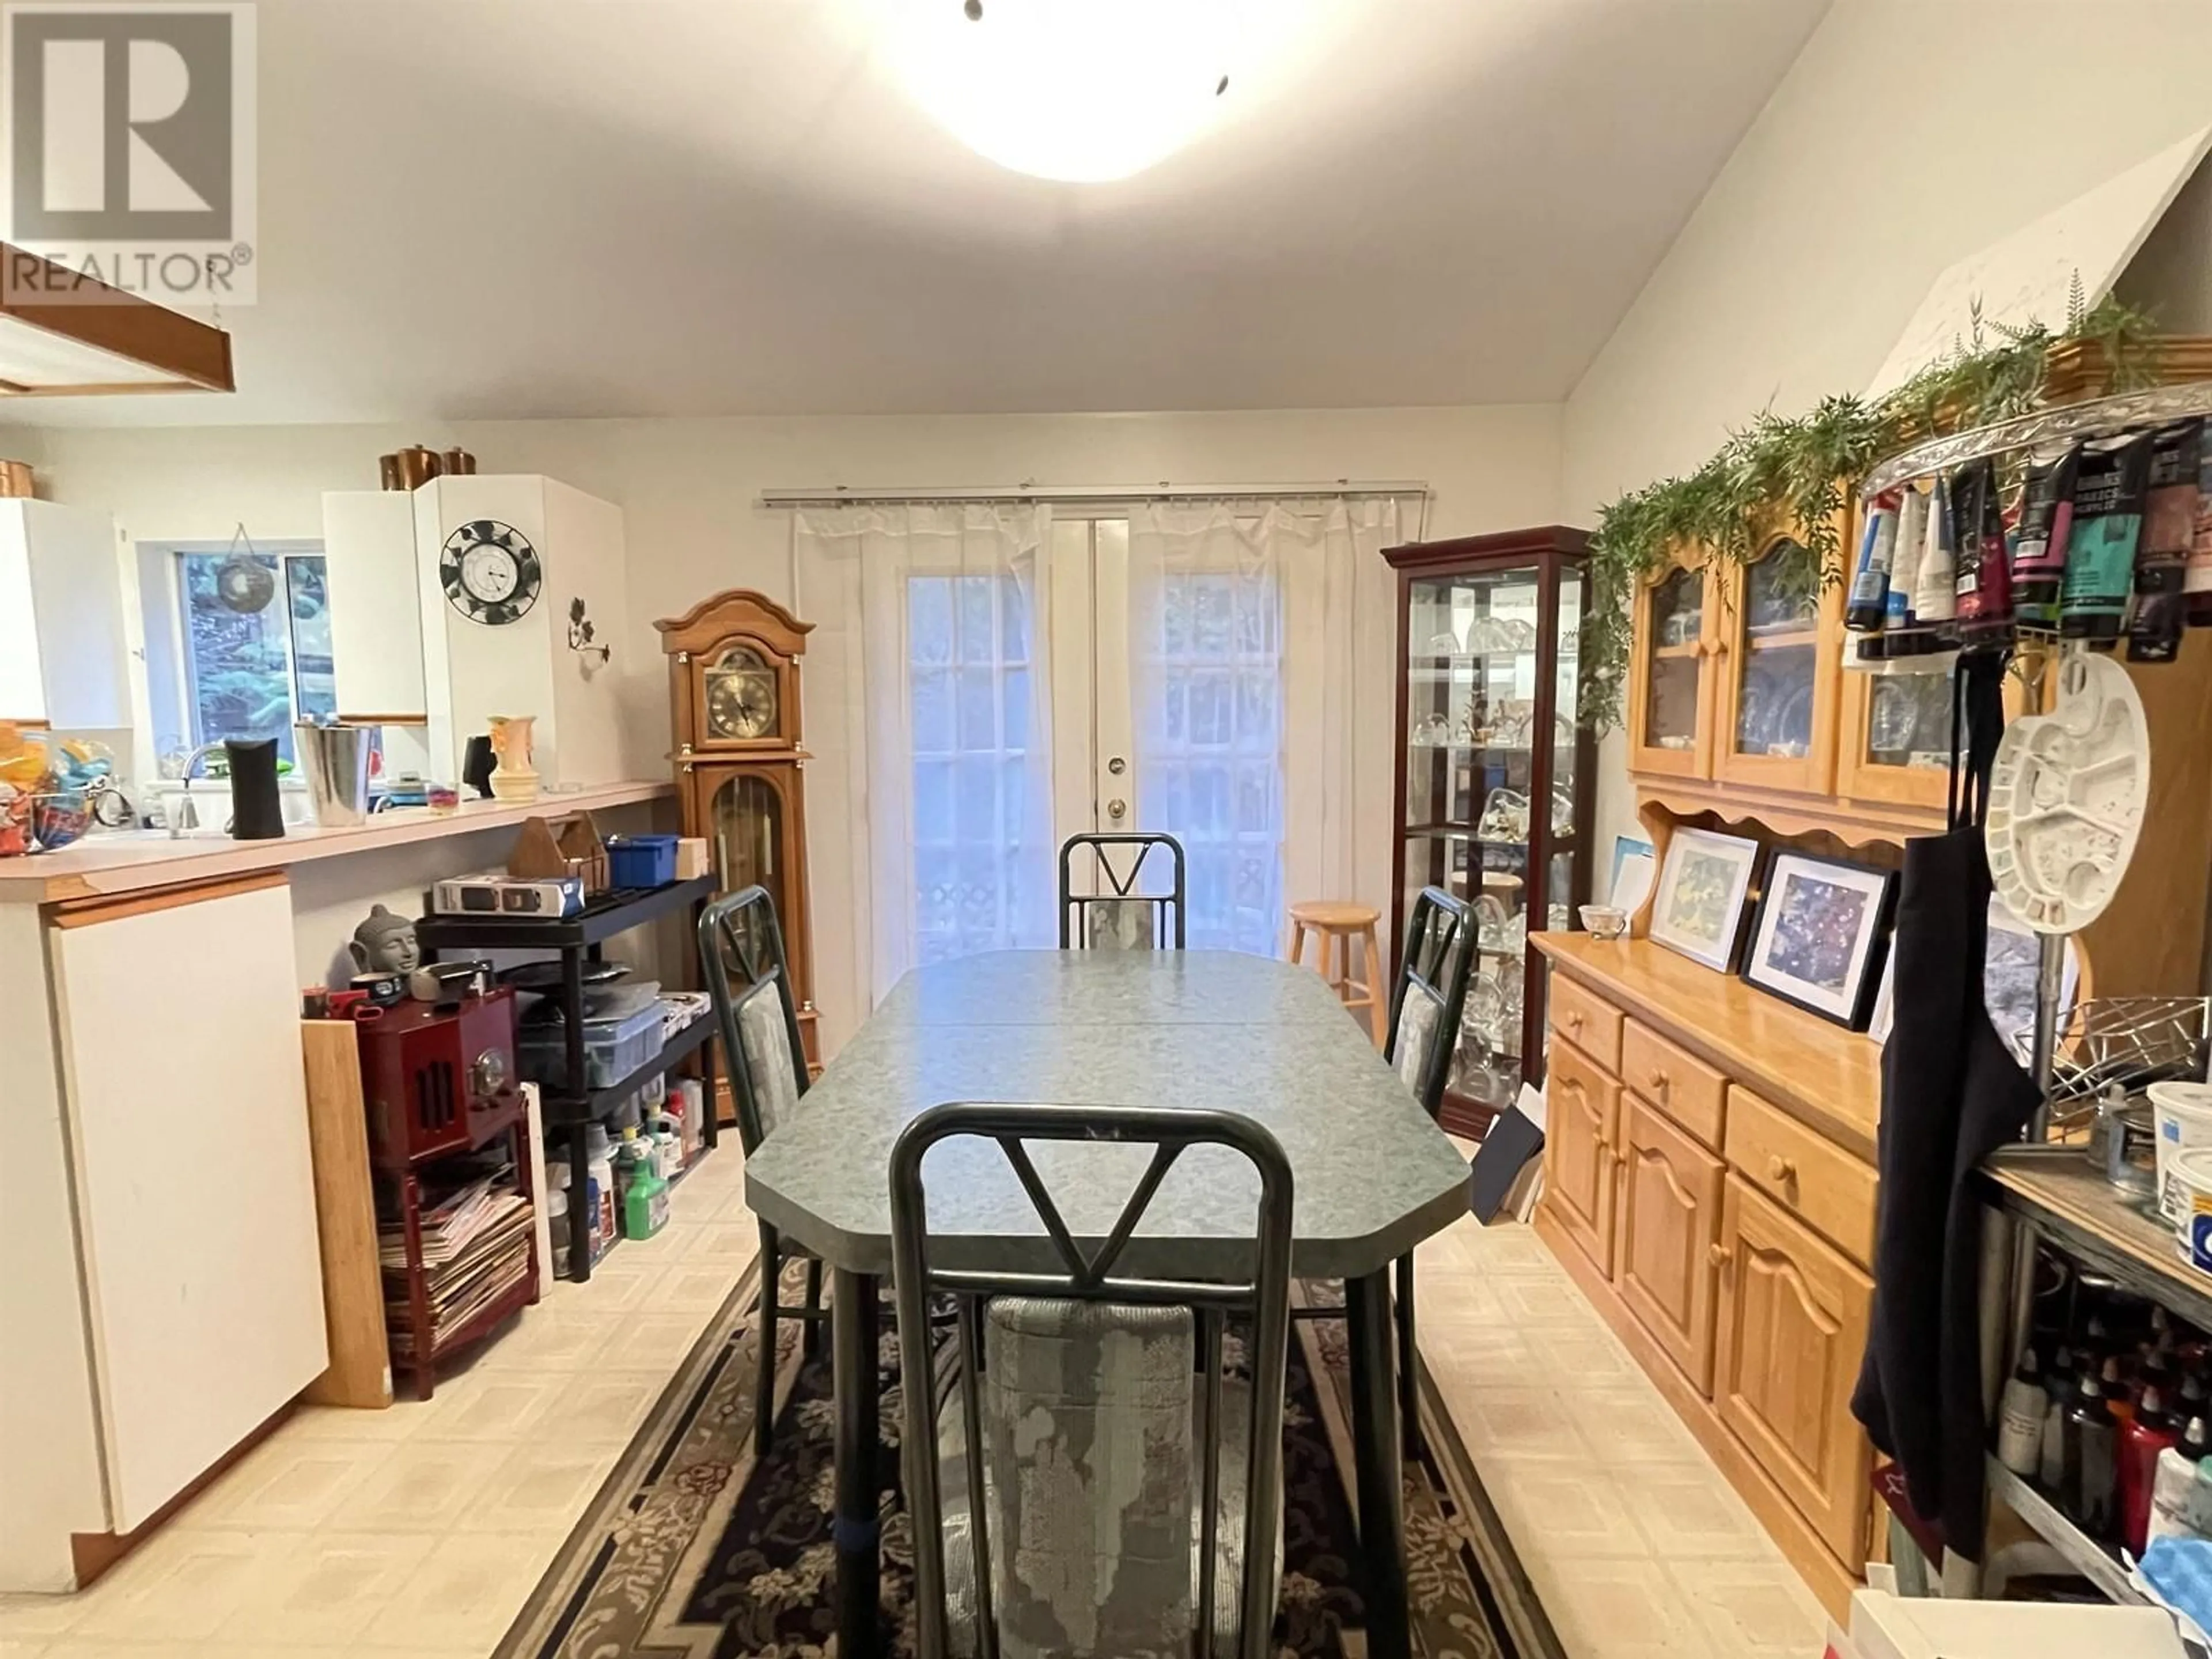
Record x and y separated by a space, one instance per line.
1168 712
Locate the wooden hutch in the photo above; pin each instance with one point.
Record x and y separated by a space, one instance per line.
1710 1166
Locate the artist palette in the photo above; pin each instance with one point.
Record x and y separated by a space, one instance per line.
2067 796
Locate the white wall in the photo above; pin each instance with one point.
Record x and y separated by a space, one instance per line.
1909 134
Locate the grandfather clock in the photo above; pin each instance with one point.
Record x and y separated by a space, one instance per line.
733 672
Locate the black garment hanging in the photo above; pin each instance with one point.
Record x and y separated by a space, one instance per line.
1952 1093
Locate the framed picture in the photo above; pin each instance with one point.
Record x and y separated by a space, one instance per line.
1632 869
1702 887
1820 935
1885 1001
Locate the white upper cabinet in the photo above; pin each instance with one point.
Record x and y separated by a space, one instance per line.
62 651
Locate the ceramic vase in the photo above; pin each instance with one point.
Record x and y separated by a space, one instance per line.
514 779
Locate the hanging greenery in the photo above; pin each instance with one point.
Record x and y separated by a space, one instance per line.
1803 469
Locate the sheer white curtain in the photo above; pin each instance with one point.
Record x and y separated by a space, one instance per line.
929 699
1263 655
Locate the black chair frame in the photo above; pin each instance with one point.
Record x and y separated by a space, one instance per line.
739 936
1074 907
1089 1275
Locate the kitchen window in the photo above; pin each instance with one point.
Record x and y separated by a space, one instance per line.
253 653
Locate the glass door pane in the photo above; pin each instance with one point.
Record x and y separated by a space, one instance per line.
1670 713
1908 722
1775 629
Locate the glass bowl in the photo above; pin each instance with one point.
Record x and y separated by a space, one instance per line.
1604 920
57 820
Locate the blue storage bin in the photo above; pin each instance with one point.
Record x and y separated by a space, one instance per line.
642 860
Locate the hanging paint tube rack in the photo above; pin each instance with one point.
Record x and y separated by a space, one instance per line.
1928 642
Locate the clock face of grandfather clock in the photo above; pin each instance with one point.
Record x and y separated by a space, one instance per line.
733 679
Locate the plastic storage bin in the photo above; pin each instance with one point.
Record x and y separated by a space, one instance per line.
642 860
613 1048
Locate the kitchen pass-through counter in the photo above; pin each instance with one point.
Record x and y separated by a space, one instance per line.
163 1299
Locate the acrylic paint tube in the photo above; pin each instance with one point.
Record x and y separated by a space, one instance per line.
2046 519
1935 600
1984 575
1867 604
2162 608
2100 553
1904 563
2198 582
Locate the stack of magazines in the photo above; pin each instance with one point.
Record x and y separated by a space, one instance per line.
476 1248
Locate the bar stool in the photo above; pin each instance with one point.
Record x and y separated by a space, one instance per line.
1348 925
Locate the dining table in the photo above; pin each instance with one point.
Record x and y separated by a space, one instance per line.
1372 1176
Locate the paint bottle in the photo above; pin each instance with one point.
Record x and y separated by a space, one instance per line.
2020 1420
2100 552
2088 1488
2161 605
1905 562
2058 1385
2046 523
1934 591
2152 1431
1869 602
2198 580
1984 573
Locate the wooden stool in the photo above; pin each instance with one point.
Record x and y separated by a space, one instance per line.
1349 925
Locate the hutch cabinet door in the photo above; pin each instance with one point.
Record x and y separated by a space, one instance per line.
1671 688
1670 1219
1780 638
1894 743
1793 1326
1584 1117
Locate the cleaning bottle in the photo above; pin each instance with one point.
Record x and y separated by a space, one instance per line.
2151 1431
2020 1421
644 1203
2057 1387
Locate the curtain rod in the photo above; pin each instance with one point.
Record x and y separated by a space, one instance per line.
1093 494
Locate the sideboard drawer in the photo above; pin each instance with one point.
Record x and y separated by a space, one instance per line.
1675 1081
1812 1178
1587 1020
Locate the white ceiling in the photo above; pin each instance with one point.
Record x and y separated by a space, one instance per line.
506 209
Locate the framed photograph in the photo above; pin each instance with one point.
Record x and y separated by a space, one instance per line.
1633 866
1821 934
1702 887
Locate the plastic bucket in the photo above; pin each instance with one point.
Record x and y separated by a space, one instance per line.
2182 1120
2192 1174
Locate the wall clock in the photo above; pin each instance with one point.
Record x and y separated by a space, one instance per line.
490 572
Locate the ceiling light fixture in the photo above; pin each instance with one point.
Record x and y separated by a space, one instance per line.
1084 91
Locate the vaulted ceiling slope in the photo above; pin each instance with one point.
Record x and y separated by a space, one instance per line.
510 209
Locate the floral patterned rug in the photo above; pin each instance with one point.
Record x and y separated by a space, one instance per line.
694 1550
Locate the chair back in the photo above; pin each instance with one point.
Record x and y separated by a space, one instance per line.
1127 911
1431 994
1108 1355
741 958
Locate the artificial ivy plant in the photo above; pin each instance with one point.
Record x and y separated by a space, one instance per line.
1805 467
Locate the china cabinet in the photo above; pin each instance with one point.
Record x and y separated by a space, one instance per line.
733 675
1495 783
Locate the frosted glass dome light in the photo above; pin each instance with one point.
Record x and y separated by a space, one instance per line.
1084 91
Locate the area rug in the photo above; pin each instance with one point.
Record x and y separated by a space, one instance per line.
696 1550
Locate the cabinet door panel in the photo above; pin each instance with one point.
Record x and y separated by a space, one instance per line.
1671 674
1793 1326
1670 1218
195 1209
1780 641
1583 1119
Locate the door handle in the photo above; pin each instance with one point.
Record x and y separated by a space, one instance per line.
1117 809
1720 1255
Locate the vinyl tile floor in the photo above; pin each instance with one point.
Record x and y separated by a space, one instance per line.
416 1533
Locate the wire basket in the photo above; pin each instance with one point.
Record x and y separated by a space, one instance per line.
2126 1043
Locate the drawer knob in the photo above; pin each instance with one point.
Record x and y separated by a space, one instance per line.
1779 1169
1658 1078
1574 1022
1720 1255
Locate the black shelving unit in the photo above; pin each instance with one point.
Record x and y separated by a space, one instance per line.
579 939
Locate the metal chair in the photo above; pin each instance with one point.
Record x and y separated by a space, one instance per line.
1123 915
740 940
1109 1355
1426 1005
